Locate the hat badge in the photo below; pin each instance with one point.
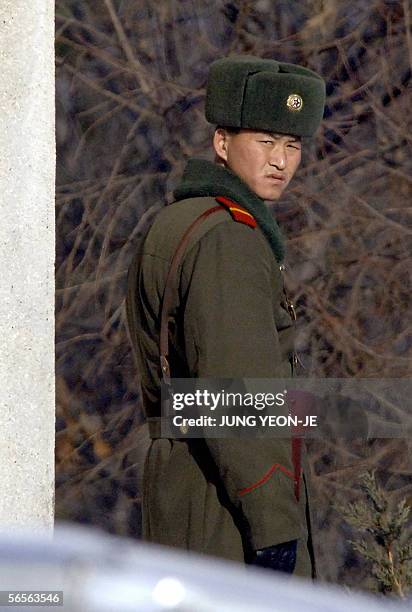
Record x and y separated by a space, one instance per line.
294 102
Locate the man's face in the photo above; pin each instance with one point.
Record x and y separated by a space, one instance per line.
265 161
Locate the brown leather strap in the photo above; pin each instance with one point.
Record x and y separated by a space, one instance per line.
168 291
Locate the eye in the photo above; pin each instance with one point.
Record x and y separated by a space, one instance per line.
292 146
267 141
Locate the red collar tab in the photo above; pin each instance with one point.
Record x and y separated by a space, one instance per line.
238 212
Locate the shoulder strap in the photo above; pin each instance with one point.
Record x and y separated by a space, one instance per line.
168 291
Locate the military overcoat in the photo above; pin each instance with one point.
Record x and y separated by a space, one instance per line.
229 318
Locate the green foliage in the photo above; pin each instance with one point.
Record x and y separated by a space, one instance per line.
386 547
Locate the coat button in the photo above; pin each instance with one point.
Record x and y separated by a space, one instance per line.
291 308
184 429
282 267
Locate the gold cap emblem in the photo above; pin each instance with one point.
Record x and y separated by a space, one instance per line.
294 102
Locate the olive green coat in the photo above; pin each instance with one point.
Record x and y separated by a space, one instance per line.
229 319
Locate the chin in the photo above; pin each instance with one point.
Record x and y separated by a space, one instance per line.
265 193
270 196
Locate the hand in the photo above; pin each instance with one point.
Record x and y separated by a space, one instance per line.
281 557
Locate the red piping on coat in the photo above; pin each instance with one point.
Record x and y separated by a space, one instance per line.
296 476
266 478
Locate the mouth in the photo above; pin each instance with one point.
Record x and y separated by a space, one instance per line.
276 178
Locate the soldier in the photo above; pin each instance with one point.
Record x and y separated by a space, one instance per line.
244 500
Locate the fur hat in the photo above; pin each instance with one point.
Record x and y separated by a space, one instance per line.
248 92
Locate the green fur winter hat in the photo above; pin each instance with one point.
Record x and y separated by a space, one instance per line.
263 94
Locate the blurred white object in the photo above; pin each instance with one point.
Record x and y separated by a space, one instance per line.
99 572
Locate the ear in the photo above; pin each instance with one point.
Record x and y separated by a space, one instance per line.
220 143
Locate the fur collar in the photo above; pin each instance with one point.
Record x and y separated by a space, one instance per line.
204 178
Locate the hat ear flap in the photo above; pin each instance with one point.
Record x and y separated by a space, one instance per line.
226 88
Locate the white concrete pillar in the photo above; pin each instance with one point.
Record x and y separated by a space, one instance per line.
27 246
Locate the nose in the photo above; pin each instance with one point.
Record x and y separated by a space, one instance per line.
278 156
